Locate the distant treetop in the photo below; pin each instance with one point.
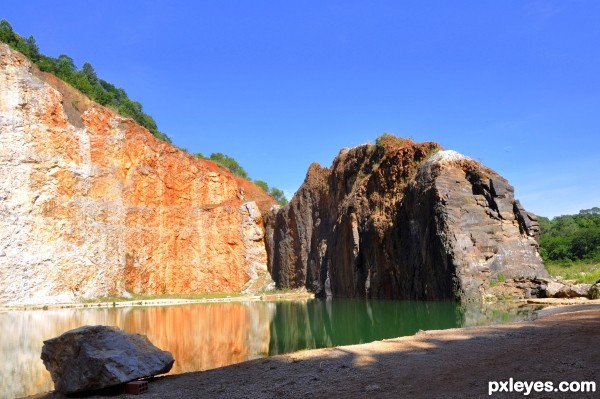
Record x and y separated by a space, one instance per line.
571 237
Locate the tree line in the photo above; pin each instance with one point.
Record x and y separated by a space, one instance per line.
231 164
85 79
571 237
104 93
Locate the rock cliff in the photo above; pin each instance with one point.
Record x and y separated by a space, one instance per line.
93 205
404 220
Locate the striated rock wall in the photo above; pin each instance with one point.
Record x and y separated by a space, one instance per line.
91 204
402 220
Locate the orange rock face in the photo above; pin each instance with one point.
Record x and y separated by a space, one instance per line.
93 205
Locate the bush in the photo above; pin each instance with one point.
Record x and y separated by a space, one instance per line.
389 139
229 163
262 184
278 195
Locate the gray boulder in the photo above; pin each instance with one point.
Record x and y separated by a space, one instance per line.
574 291
97 357
553 288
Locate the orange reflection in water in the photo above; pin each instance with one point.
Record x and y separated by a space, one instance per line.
200 337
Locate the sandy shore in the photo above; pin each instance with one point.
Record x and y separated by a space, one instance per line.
561 345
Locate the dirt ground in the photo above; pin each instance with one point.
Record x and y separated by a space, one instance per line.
562 345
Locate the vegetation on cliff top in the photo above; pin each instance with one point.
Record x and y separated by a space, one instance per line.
386 138
104 93
570 245
84 79
235 168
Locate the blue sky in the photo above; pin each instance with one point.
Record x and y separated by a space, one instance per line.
281 84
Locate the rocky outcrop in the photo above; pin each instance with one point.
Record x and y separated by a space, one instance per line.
93 205
403 220
90 358
558 288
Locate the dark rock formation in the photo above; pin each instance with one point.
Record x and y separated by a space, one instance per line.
97 357
402 220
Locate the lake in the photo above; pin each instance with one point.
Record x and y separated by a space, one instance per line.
210 335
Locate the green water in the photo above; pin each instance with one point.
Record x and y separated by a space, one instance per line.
205 336
321 324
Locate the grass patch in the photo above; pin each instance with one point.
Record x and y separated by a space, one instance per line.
389 139
580 271
432 152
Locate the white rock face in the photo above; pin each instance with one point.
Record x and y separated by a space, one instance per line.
47 256
92 205
447 156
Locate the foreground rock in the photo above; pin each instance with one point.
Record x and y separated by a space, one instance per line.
97 357
93 205
403 220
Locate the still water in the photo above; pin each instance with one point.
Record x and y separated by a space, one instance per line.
205 336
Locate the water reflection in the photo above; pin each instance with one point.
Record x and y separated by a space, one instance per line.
200 337
319 324
205 336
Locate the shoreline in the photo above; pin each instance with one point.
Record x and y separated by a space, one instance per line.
157 302
287 296
556 346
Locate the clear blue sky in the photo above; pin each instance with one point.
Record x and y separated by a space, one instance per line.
281 84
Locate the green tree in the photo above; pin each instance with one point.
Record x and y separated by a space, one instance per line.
65 67
7 35
90 74
594 211
278 195
571 237
229 163
585 243
33 51
262 184
81 82
47 64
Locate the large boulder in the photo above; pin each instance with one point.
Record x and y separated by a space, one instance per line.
97 357
574 291
553 289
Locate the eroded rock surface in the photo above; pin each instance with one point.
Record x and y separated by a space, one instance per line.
96 357
93 205
403 220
